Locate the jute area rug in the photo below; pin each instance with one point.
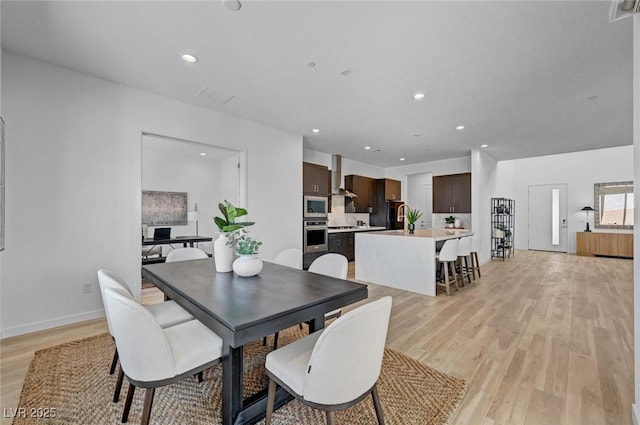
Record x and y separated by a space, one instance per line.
72 381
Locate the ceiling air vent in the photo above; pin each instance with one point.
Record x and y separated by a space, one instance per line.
214 96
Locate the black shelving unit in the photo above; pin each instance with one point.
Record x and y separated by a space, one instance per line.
502 228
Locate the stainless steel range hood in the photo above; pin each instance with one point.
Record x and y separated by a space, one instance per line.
336 178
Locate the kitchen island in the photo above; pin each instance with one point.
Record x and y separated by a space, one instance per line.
393 258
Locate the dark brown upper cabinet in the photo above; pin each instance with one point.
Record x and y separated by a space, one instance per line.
365 188
316 179
452 194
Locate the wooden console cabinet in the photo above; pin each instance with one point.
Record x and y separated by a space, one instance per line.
604 244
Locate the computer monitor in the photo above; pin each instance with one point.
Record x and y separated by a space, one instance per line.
162 233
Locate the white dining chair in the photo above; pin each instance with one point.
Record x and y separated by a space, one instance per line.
291 257
335 368
476 247
184 254
153 357
334 265
447 258
167 314
464 252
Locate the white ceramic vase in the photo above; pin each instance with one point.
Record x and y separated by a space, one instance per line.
223 254
457 223
247 265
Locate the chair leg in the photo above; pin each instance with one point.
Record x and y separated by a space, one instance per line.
264 341
200 377
331 420
466 270
127 403
475 256
271 396
114 362
116 393
452 264
148 402
446 279
275 340
376 404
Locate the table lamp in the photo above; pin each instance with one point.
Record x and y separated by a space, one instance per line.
587 209
194 215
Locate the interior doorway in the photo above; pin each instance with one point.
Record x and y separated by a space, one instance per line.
204 174
548 217
419 196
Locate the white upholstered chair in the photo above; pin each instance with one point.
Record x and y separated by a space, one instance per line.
447 257
167 314
476 246
184 254
337 367
334 265
464 252
291 257
151 356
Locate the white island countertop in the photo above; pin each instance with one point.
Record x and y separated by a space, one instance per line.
405 261
435 234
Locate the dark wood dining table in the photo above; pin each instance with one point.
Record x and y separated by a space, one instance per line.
244 309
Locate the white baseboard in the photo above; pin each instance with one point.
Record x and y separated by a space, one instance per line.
635 409
48 324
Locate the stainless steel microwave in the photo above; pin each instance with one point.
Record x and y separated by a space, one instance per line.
315 206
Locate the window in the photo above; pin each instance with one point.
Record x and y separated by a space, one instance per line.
614 205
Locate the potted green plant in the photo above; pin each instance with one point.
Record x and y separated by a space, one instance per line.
247 264
412 216
224 246
450 221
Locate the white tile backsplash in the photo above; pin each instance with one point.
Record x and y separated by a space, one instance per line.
439 223
337 216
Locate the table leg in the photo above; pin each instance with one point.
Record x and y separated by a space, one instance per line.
232 370
316 324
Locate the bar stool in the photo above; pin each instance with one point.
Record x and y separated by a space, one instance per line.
447 257
476 246
464 251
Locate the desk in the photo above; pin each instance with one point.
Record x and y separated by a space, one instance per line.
184 240
242 310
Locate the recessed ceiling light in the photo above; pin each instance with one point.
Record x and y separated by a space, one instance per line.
418 96
460 127
316 130
233 5
203 154
401 159
366 148
189 58
484 146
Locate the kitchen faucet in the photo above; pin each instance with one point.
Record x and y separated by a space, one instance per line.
402 211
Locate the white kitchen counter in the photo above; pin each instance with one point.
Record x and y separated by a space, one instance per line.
401 261
356 229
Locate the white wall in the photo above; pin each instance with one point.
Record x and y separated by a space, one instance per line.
200 177
74 185
483 182
436 168
348 166
1 252
636 237
579 170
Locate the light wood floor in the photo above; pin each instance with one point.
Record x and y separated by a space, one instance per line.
542 338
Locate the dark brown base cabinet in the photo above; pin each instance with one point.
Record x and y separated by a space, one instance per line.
452 194
343 243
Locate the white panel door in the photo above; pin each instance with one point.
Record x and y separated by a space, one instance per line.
419 197
548 217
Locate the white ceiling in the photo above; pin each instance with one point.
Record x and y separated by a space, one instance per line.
527 78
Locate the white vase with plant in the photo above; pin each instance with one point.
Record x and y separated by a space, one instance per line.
450 221
247 264
224 246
